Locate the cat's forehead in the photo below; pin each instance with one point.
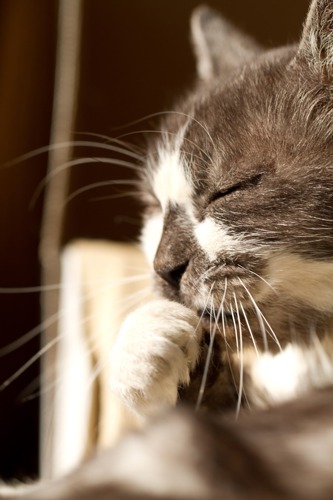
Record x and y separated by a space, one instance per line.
264 117
202 148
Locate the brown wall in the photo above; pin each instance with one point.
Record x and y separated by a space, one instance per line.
135 57
27 49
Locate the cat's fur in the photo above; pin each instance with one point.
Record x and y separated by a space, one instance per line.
284 452
239 229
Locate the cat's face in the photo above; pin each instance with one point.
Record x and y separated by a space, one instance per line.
240 184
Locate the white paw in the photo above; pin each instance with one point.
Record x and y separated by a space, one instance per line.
157 347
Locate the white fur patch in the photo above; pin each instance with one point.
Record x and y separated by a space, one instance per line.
214 239
151 235
307 280
275 378
171 184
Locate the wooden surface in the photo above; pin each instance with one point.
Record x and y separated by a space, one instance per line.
101 283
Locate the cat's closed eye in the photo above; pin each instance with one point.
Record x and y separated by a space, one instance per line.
239 186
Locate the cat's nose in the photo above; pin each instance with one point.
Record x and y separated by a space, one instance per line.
174 251
171 275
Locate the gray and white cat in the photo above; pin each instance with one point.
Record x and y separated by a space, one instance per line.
238 226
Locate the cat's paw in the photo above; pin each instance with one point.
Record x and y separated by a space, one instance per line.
157 347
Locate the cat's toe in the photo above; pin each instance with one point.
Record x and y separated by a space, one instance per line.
157 347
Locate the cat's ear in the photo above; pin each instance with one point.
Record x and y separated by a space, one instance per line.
218 45
317 39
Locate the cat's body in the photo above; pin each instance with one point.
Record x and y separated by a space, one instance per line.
285 452
239 229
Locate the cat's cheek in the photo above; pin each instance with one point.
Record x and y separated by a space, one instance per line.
157 347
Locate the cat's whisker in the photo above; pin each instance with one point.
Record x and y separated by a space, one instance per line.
241 360
96 185
66 144
202 125
192 155
86 296
239 352
61 379
272 333
61 286
161 113
30 289
223 313
127 145
123 194
209 354
258 313
262 328
235 328
250 330
31 334
174 134
30 392
227 345
260 277
136 296
157 114
35 358
133 299
29 363
77 162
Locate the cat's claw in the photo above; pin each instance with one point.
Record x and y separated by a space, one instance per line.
157 347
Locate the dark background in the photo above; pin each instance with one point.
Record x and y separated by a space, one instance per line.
135 58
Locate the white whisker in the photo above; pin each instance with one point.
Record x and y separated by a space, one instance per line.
66 144
52 319
78 162
250 330
241 362
208 358
235 329
133 298
128 145
260 277
95 185
259 316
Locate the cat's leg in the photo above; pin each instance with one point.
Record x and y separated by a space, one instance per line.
157 347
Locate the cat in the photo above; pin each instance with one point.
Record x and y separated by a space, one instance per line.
238 226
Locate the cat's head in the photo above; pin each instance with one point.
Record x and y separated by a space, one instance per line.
239 185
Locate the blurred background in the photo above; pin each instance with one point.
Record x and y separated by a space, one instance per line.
131 58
